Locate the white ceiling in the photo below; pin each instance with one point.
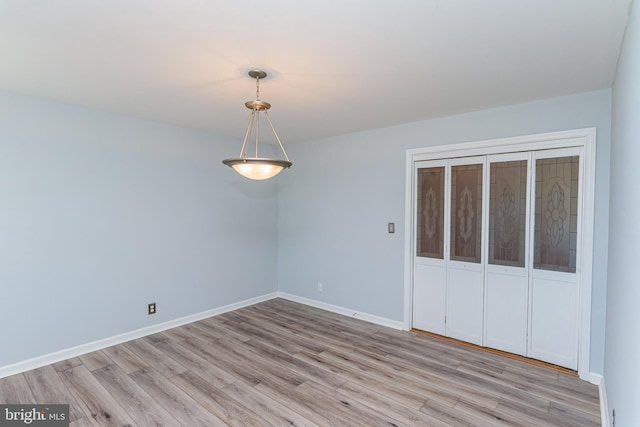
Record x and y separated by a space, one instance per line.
335 66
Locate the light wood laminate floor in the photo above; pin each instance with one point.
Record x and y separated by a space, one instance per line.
285 364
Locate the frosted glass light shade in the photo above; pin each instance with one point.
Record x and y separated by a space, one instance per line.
257 168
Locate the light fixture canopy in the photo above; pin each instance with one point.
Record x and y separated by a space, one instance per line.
257 168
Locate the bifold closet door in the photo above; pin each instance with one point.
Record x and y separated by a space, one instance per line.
554 290
430 264
506 280
497 258
465 268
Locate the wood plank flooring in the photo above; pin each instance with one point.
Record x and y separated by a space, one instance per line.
279 363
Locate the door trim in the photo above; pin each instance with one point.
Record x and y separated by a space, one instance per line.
585 138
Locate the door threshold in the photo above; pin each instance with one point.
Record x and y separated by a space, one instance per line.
513 356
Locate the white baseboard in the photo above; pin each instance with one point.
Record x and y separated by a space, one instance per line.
383 321
58 356
604 405
593 378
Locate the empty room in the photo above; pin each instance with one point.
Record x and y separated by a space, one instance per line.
362 213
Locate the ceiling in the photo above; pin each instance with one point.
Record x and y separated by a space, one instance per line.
335 66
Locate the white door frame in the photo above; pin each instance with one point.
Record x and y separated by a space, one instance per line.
585 138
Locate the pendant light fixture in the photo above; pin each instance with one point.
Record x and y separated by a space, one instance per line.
257 168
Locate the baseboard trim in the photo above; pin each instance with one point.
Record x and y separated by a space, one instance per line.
604 405
47 359
593 378
382 321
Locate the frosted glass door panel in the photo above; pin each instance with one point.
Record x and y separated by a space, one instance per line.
430 215
556 214
466 213
507 213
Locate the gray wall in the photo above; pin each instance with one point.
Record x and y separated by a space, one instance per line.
101 214
622 367
336 201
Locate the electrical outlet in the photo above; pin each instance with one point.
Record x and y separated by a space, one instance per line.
152 308
319 287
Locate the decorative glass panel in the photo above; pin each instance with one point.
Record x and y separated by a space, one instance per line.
430 239
507 213
466 212
556 214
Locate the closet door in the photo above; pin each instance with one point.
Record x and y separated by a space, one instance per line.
465 270
506 277
554 290
429 261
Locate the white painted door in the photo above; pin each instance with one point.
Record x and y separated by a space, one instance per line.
497 251
554 283
506 274
429 299
465 267
528 295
